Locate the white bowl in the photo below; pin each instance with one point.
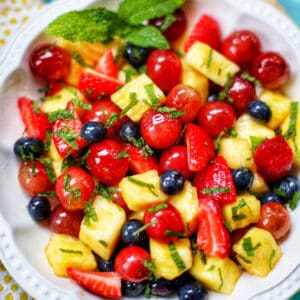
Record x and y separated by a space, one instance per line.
22 241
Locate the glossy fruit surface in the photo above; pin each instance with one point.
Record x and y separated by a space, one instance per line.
133 289
131 234
164 68
171 182
93 131
193 291
39 208
259 110
161 287
129 130
270 197
27 146
136 56
107 65
287 187
242 178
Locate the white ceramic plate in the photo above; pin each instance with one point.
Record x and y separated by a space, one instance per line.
22 241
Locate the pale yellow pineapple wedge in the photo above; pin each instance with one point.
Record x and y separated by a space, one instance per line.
211 63
166 265
141 190
65 251
259 185
186 203
57 160
102 235
217 274
241 213
257 251
137 88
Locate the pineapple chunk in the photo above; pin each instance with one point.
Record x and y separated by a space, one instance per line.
279 105
57 160
211 63
102 236
237 152
259 185
137 215
137 87
139 196
165 265
241 213
257 251
217 274
63 251
186 202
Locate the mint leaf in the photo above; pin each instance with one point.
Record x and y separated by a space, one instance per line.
147 36
137 11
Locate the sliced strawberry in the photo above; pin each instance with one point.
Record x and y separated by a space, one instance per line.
213 237
107 66
94 84
66 134
54 87
215 181
106 284
200 147
206 30
140 160
273 158
36 123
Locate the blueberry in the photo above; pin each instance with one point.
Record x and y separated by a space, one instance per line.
135 55
242 178
193 291
212 98
259 110
287 187
129 130
106 265
183 279
133 289
39 208
171 182
161 287
129 234
93 131
27 146
270 197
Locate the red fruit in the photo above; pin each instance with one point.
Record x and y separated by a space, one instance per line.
164 68
271 69
160 130
213 237
54 87
36 123
139 160
104 163
241 46
215 117
273 158
166 222
200 147
66 134
206 30
175 158
50 61
107 66
106 284
183 97
129 264
74 188
215 181
94 85
118 199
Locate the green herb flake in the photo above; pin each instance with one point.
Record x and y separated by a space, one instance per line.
70 251
224 94
121 154
113 118
158 207
129 73
176 257
203 257
47 163
48 140
295 199
215 190
60 114
150 186
234 210
79 103
149 88
177 114
143 228
103 243
250 78
80 60
209 59
69 136
279 192
256 141
211 268
73 193
293 120
89 214
47 194
271 258
179 234
151 267
168 21
35 106
244 259
140 143
248 247
133 101
221 279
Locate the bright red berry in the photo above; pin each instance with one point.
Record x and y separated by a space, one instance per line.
107 66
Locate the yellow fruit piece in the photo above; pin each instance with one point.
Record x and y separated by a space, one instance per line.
133 96
211 63
63 251
259 185
257 251
141 190
102 235
186 203
241 213
165 265
57 160
215 273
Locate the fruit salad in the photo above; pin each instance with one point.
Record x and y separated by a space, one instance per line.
161 153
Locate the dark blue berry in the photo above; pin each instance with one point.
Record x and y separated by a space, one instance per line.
193 291
212 98
270 197
182 280
259 110
135 55
93 131
133 289
161 287
130 234
106 265
171 182
242 178
287 187
129 130
28 146
39 208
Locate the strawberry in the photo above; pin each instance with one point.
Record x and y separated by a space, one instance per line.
200 147
206 30
106 284
273 158
213 237
215 181
53 88
94 84
36 122
107 66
